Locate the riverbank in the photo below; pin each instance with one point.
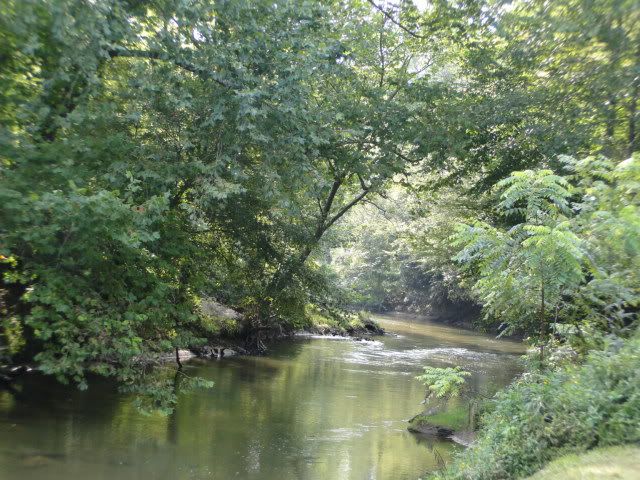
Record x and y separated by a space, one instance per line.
575 403
354 324
357 326
451 424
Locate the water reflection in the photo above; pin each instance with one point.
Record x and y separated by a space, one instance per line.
315 408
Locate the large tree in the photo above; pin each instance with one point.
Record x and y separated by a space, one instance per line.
156 151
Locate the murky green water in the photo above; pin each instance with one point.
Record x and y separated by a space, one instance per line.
316 408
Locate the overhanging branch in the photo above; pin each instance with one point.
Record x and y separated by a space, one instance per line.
394 21
345 209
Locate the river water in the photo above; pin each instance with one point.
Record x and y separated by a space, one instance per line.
315 408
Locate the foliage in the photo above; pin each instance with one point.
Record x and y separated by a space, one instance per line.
571 253
609 220
545 415
155 152
542 254
393 254
443 382
523 85
536 79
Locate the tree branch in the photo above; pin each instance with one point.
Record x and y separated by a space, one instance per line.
383 212
362 184
345 209
327 207
393 20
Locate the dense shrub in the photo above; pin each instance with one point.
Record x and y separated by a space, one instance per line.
546 414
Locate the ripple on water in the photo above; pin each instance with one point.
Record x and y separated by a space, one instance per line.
377 372
322 337
375 354
358 430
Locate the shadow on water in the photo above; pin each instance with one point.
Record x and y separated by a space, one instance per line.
315 408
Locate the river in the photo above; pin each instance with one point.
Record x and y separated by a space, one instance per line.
314 408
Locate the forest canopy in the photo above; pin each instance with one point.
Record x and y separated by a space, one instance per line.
281 157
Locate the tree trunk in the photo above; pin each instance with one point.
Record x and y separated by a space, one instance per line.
178 359
632 119
325 221
633 107
610 128
543 323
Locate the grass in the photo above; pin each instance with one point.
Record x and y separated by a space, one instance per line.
620 463
455 418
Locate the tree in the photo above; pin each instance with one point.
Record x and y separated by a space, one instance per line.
156 152
443 383
393 253
608 220
534 80
524 273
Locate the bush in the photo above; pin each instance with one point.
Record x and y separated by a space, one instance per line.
547 414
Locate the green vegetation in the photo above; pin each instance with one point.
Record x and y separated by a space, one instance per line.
544 415
443 382
534 272
155 153
455 418
394 253
603 463
443 385
586 393
340 323
297 161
